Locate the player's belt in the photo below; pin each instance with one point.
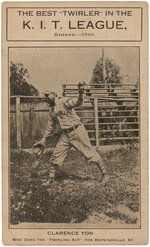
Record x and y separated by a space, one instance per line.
71 129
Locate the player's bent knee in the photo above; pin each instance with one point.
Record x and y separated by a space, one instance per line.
94 157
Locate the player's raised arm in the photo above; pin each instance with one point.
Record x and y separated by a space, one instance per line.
74 102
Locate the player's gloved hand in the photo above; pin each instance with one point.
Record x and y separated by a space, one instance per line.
81 87
38 148
39 144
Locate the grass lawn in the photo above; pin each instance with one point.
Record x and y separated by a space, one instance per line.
78 195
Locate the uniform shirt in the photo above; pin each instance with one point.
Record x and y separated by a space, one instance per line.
62 114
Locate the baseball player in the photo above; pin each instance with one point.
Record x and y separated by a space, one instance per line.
74 134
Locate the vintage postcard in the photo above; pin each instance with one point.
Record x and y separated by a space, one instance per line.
75 123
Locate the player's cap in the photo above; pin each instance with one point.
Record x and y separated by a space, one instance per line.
48 93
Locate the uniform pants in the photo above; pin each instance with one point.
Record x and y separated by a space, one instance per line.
78 139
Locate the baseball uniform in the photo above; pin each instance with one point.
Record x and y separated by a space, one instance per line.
73 134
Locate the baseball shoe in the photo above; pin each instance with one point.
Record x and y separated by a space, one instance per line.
105 178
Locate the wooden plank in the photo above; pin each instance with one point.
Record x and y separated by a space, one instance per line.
24 111
115 100
90 118
119 130
13 130
28 97
111 98
86 111
18 122
121 97
121 94
119 111
119 123
96 121
117 106
112 117
100 91
39 110
98 95
119 138
108 84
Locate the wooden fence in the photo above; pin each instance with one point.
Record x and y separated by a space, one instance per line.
110 115
116 112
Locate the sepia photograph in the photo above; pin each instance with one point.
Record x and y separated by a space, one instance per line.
74 137
75 123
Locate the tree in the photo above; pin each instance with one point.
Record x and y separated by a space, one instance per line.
112 73
18 81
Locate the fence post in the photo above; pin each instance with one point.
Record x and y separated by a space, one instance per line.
18 122
96 121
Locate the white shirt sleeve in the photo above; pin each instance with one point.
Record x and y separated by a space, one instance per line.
73 102
49 130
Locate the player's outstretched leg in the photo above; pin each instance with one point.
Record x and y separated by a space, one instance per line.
80 140
52 174
105 176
